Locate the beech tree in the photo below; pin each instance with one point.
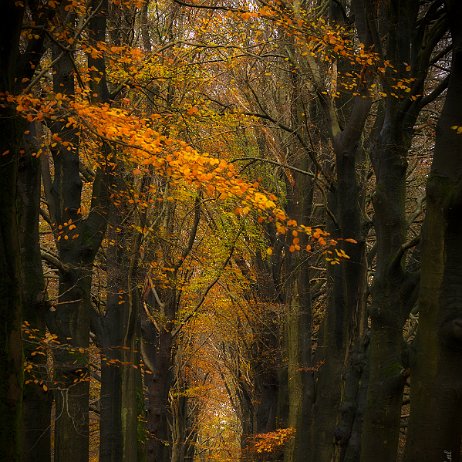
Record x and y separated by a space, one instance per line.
11 300
434 427
25 423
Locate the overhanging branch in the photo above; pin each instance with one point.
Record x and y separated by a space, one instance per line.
211 7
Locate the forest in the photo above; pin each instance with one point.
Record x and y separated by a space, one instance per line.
231 230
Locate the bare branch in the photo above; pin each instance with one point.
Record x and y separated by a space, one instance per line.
273 162
210 7
53 260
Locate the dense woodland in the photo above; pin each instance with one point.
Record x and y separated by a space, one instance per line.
231 230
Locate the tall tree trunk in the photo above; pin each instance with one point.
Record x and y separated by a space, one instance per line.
158 349
118 328
160 337
71 321
394 288
392 293
11 360
435 426
344 321
345 316
36 443
266 355
19 211
299 329
300 378
119 331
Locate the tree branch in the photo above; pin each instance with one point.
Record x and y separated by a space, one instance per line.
273 162
210 7
54 261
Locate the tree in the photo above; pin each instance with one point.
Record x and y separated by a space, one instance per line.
10 285
435 427
21 275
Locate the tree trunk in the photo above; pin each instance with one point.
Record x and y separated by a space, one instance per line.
346 313
11 359
299 329
157 352
158 349
392 295
72 323
435 425
119 333
37 402
77 252
184 433
300 377
394 286
10 292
